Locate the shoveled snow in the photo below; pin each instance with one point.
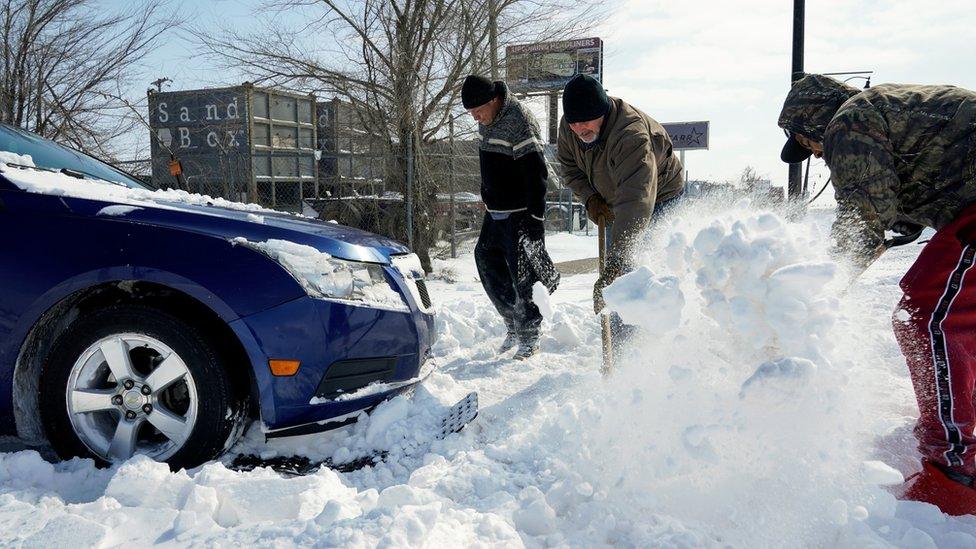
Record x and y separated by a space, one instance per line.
769 413
644 300
882 474
540 296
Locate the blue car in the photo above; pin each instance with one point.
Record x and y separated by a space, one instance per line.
162 323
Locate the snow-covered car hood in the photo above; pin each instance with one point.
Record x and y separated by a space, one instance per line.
336 240
203 214
300 227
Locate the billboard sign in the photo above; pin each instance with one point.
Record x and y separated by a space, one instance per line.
688 136
548 66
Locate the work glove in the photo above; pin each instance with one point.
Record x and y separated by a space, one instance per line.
597 207
598 302
906 228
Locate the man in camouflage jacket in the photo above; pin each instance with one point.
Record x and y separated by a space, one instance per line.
905 156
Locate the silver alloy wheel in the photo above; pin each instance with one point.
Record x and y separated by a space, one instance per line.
130 393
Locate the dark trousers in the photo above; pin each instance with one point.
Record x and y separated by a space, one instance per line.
506 274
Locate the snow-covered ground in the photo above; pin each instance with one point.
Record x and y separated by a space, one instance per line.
762 404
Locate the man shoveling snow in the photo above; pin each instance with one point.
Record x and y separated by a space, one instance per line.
620 163
904 156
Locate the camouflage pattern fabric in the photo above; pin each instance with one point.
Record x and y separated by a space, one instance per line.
896 153
811 105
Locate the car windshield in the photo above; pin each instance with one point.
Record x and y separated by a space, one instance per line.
50 155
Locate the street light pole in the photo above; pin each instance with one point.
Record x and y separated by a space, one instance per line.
795 188
862 75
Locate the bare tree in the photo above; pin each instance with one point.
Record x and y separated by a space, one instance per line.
752 182
66 67
748 177
400 64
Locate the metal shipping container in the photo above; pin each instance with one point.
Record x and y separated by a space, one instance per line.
353 160
242 143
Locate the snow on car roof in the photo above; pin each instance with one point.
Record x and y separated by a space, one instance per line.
22 172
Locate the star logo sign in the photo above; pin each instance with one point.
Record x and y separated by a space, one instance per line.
694 137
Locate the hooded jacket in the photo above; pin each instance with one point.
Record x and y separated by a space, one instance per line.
632 166
896 153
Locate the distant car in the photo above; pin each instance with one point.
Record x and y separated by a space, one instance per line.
159 323
558 216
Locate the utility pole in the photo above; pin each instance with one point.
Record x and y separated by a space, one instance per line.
159 83
553 113
450 170
493 37
409 197
40 101
794 189
553 123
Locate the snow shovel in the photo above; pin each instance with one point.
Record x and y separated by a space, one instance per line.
605 318
912 234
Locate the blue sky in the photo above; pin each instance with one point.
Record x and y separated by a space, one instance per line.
718 60
176 55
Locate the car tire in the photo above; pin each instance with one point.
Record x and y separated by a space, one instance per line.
191 417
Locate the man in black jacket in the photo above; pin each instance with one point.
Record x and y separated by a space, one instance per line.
511 253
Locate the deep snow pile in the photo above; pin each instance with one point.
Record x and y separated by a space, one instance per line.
731 414
755 409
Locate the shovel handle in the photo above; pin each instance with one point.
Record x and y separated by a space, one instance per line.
602 237
607 336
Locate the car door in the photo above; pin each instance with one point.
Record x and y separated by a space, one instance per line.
7 316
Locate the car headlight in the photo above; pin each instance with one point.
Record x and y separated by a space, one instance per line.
327 277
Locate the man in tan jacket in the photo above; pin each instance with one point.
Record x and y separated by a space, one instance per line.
619 162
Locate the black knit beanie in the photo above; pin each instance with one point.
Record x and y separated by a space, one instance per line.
584 99
477 90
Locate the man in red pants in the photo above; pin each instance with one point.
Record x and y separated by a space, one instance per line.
905 156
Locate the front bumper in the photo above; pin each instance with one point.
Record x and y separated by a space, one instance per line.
362 400
321 334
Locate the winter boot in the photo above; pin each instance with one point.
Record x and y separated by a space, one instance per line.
948 490
526 350
528 346
510 340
